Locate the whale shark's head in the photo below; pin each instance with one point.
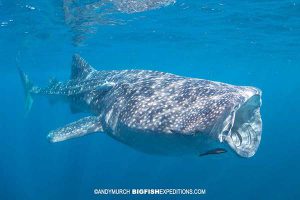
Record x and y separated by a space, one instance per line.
243 127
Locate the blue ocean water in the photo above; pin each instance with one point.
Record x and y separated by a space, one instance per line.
254 43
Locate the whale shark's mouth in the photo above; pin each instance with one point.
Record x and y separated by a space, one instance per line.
244 130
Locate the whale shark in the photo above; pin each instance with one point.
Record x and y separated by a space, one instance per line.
156 112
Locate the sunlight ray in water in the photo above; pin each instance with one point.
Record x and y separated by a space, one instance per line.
138 93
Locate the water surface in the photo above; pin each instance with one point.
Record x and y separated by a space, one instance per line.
253 43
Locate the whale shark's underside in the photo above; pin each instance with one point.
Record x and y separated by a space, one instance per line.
157 112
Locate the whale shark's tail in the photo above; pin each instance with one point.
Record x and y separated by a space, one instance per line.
27 87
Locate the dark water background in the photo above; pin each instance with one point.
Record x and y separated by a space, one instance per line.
253 43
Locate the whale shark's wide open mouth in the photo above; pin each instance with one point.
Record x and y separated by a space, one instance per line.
246 127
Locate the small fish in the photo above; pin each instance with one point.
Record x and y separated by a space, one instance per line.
214 151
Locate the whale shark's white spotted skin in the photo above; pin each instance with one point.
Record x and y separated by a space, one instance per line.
159 112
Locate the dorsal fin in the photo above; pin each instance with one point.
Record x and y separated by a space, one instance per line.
80 68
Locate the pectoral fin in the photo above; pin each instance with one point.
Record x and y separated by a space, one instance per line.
214 151
79 128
